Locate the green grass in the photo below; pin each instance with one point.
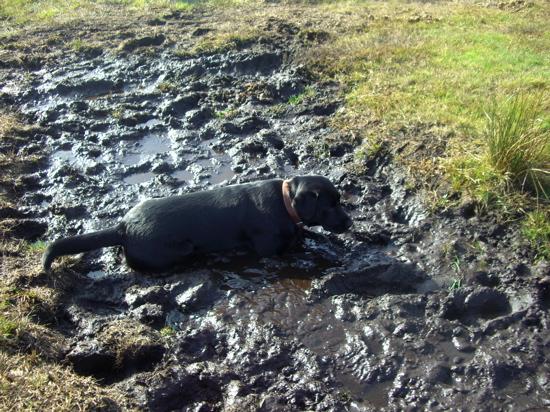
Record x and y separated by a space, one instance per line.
512 162
445 64
297 99
477 71
536 228
167 331
37 247
439 71
7 328
457 284
475 178
49 11
78 44
229 113
518 143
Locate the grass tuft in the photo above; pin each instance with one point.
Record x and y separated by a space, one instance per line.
475 178
511 162
8 328
536 228
518 145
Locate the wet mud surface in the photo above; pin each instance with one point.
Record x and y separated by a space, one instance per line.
360 321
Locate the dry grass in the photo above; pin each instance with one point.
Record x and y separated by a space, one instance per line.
31 379
29 384
127 337
22 12
8 123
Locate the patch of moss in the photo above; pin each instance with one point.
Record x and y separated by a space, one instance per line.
297 99
39 246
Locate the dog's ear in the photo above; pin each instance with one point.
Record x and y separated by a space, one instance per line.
305 203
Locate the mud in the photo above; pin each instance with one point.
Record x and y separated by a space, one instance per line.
366 320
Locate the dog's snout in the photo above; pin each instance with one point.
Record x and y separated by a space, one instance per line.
340 223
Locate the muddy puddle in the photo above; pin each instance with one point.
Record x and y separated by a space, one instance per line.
365 320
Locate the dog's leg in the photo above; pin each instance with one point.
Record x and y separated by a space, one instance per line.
267 245
157 258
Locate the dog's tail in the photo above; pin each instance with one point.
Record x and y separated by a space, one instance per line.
83 243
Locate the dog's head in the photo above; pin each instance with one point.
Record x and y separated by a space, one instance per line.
318 203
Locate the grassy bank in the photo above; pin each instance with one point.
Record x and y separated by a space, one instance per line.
458 92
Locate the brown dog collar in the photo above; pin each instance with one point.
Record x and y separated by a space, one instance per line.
288 204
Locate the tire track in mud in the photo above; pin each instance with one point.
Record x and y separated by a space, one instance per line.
360 321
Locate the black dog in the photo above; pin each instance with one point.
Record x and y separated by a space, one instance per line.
266 216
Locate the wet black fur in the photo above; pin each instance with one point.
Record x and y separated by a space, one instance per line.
158 234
